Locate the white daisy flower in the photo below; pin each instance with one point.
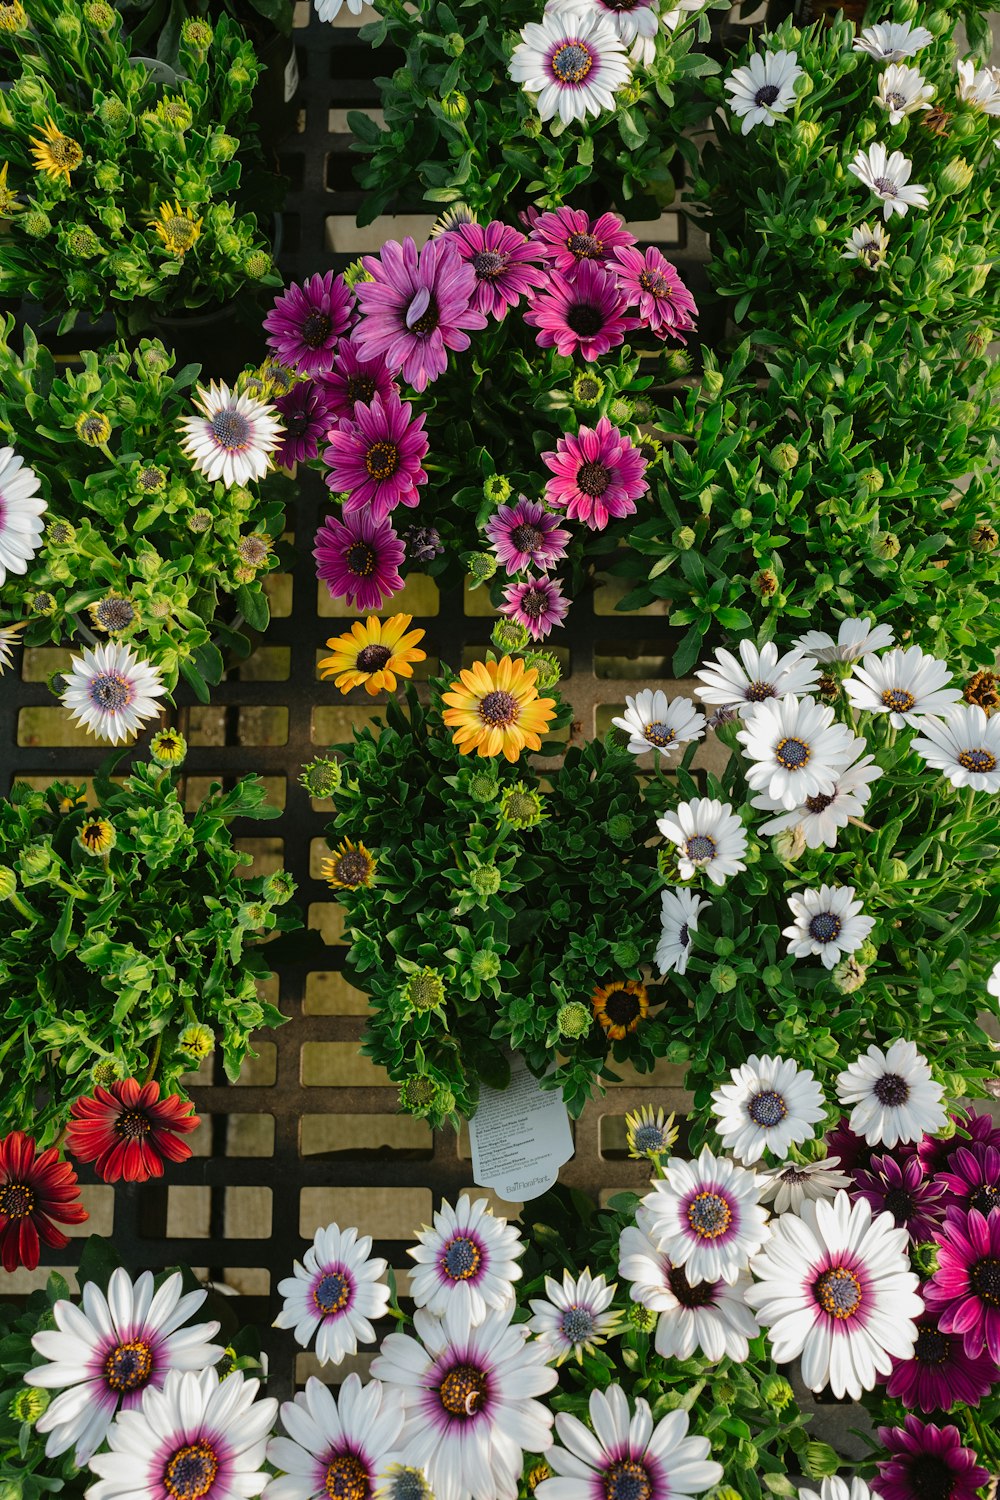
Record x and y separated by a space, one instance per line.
867 243
232 437
993 983
796 747
903 684
337 1445
854 638
705 1216
710 1316
111 691
469 1395
672 18
888 177
966 747
759 674
980 89
469 1257
828 924
627 1456
105 1353
836 1289
679 918
576 1316
334 1294
891 1095
822 817
654 722
573 60
902 90
709 837
20 510
891 41
839 1489
637 28
199 1436
770 1104
786 1188
764 89
10 636
329 10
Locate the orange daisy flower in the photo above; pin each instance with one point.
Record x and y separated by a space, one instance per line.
495 709
373 655
619 1007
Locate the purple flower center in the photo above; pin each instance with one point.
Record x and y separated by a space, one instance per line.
592 479
316 329
767 1109
191 1471
838 1292
818 804
891 1090
824 927
932 1347
498 709
984 1279
659 734
527 538
533 603
331 1293
572 62
585 246
684 935
897 700
373 658
132 1125
709 1215
463 1391
114 614
347 1478
766 95
700 848
791 753
622 4
360 559
461 1258
231 430
128 1366
17 1200
585 319
360 388
985 1198
627 1480
577 1324
979 761
382 460
489 264
110 692
757 692
701 1295
931 1478
886 187
655 283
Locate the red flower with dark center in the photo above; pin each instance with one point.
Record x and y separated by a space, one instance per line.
34 1190
128 1131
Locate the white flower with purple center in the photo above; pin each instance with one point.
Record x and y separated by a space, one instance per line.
470 1399
112 692
903 90
854 638
822 817
655 722
789 1186
892 1096
888 177
770 1104
336 1446
759 674
979 88
103 1354
965 746
21 510
635 21
796 749
679 910
868 244
906 685
829 923
705 1215
627 1456
334 1294
891 41
709 836
574 60
835 1289
233 436
764 89
469 1258
710 1316
576 1316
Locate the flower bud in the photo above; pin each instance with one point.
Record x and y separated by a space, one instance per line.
419 1095
496 488
976 278
482 566
772 976
886 545
67 25
872 480
424 990
742 518
777 1392
321 777
196 1041
723 979
573 1020
485 880
848 976
804 134
790 844
684 539
509 635
8 883
956 176
941 267
641 1318
938 22
784 457
712 381
258 264
485 964
455 106
764 584
821 1462
454 44
222 147
867 953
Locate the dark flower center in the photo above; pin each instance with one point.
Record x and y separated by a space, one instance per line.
660 735
891 1090
709 1215
498 708
627 1480
110 691
585 246
701 1295
463 1391
332 1292
622 1007
427 321
767 1108
534 603
648 1138
838 1292
684 935
360 388
461 1258
382 460
585 319
757 692
577 1325
984 1279
766 95
894 100
132 1125
818 804
977 760
347 1478
886 187
231 430
899 1203
700 848
824 927
655 283
352 868
17 1200
527 538
373 658
489 264
296 423
572 62
792 754
592 479
128 1366
931 1478
985 1198
191 1472
316 329
360 559
897 700
932 1347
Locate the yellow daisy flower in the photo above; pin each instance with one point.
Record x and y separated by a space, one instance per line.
495 709
177 227
8 198
352 865
55 154
13 16
373 655
650 1134
97 835
619 1007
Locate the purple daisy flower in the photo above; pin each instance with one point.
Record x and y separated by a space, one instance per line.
927 1463
307 416
901 1189
505 262
596 474
567 236
972 1178
352 379
652 284
358 559
423 543
940 1374
935 1150
853 1150
306 321
537 604
584 313
525 535
377 460
965 1289
417 308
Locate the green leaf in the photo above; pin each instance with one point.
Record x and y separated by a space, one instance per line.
194 678
59 941
253 606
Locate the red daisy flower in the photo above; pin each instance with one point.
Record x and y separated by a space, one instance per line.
34 1190
128 1131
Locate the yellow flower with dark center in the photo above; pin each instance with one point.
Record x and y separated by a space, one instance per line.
351 865
55 154
97 835
177 227
373 655
649 1134
167 748
494 709
92 428
619 1007
72 799
8 198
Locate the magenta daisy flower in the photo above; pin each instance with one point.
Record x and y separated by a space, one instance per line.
597 474
525 535
939 1373
505 261
853 1151
925 1462
537 604
377 460
583 313
901 1189
417 308
972 1178
305 322
352 379
307 416
974 1129
567 236
358 559
965 1289
652 284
